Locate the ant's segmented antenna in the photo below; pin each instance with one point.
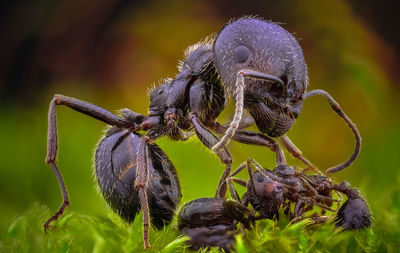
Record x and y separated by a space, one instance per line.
336 107
230 132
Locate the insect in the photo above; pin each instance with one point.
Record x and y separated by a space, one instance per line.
256 62
268 191
133 174
212 222
263 68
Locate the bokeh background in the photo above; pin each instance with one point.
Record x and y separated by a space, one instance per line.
111 52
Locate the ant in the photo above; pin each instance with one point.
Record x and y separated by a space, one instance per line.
212 222
268 191
263 69
261 66
258 63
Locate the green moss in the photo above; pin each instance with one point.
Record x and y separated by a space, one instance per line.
76 232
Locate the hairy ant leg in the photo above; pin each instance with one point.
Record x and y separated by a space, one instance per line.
141 182
298 208
197 106
289 145
52 138
254 138
288 182
209 139
232 190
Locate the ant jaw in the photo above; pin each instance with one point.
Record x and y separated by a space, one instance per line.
259 75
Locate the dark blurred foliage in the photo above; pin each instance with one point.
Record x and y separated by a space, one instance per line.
48 41
110 52
382 16
51 40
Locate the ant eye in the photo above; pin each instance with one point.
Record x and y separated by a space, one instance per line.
260 178
242 53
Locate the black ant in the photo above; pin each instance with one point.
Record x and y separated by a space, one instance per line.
212 222
262 66
257 62
269 191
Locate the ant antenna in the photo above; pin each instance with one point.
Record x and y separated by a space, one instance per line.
234 125
336 107
230 132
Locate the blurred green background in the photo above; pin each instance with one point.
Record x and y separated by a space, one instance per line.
110 52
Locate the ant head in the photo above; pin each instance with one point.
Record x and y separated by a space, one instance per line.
275 73
266 196
269 51
158 99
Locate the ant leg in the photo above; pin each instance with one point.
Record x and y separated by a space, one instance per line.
221 189
244 123
254 138
289 145
65 202
232 190
245 199
239 212
141 182
240 168
289 183
286 208
209 140
298 208
336 107
240 181
311 201
232 179
52 138
248 163
171 118
308 184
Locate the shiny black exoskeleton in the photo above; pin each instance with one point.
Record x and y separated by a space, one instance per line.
263 49
262 66
133 173
116 172
269 191
354 213
212 222
257 62
191 101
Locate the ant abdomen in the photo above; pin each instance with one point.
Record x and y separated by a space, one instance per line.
116 171
353 214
